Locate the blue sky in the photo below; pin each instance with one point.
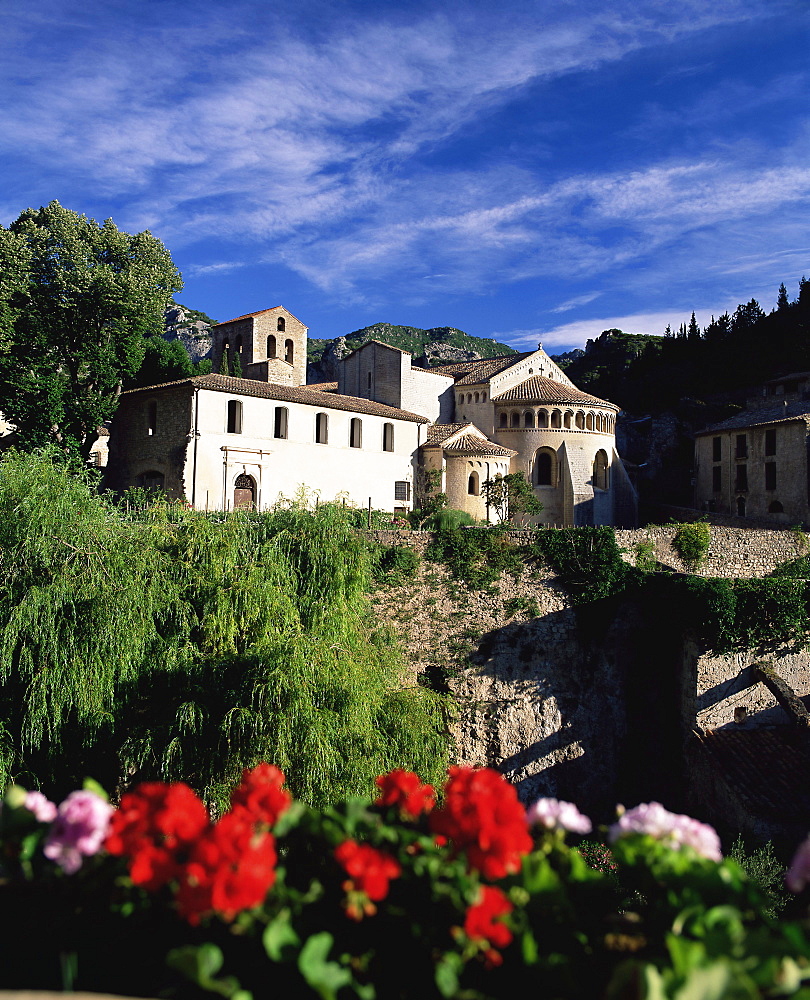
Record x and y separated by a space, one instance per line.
524 171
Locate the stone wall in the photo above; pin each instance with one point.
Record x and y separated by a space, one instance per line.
593 704
733 552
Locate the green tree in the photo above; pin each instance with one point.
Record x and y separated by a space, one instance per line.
77 300
236 365
163 361
224 364
510 495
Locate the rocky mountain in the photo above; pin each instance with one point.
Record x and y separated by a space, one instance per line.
437 346
191 327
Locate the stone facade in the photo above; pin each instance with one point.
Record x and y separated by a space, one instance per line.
755 464
219 441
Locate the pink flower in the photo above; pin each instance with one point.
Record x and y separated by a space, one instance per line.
42 808
672 829
555 814
798 875
79 830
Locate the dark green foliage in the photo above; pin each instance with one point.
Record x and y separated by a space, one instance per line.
76 302
796 569
691 542
395 564
163 361
588 561
476 555
236 365
521 605
764 869
173 644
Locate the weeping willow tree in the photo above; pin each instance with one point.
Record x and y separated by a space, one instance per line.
180 645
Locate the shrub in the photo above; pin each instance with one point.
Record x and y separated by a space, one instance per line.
396 563
691 542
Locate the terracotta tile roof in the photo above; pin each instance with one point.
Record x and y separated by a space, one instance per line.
289 394
322 386
482 370
771 413
539 389
472 444
259 312
438 433
766 767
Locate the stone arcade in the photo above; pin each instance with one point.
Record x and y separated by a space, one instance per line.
221 442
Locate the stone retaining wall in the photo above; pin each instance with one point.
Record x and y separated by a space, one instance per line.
733 552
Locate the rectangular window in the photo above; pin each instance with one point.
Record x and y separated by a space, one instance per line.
356 433
716 452
741 479
151 417
234 416
388 437
280 424
770 441
402 490
717 479
321 428
770 475
741 450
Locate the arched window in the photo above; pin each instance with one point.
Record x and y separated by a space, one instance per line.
542 418
388 437
476 397
775 508
288 351
600 470
237 345
151 417
356 433
244 492
483 397
469 397
321 428
503 420
271 346
280 424
234 416
567 418
472 485
544 467
580 420
528 419
514 419
368 380
151 480
556 418
740 506
589 422
281 325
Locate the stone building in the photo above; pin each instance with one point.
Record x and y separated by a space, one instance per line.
220 442
755 464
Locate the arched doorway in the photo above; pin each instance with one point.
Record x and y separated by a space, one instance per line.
244 492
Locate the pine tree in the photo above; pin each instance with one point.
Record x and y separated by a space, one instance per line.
224 364
694 330
236 365
782 301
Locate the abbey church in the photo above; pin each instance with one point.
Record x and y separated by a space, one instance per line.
221 442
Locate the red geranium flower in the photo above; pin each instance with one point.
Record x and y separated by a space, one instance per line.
483 921
261 794
231 868
405 791
483 817
370 870
154 826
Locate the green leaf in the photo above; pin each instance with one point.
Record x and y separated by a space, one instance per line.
447 971
279 937
325 977
91 785
200 964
